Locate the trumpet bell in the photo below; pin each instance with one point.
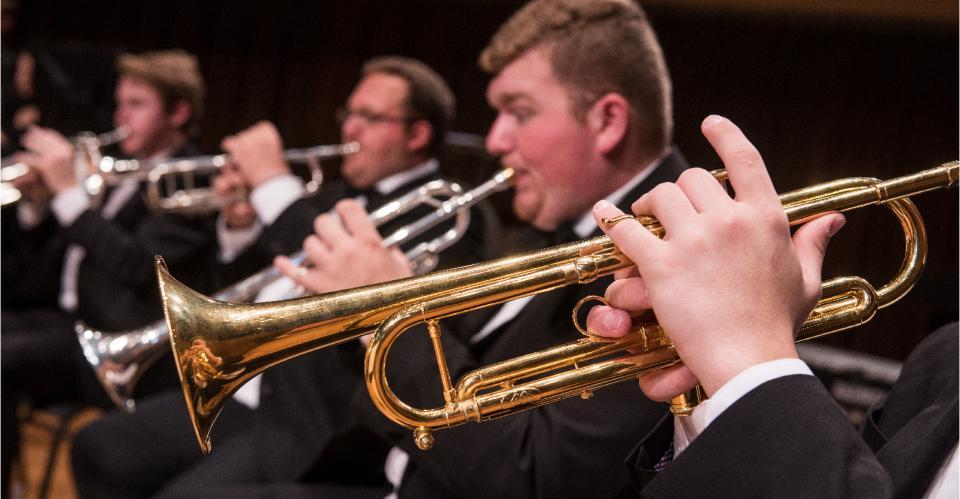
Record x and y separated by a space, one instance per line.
119 359
218 346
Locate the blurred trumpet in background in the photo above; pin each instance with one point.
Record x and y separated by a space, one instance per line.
88 146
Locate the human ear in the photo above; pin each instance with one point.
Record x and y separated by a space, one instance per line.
419 135
609 119
180 114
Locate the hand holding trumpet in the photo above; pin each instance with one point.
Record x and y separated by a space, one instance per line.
50 155
728 283
345 251
257 153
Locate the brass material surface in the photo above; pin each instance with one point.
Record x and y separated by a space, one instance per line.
172 185
219 346
119 359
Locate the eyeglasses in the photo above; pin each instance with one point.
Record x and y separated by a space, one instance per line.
367 118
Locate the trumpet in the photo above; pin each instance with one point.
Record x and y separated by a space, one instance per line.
87 144
119 359
172 185
219 346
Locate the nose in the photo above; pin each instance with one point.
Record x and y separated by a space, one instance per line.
350 128
119 116
500 137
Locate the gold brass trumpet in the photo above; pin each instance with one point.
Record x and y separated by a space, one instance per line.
119 359
219 346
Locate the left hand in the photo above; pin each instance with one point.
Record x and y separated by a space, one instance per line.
727 282
51 154
345 253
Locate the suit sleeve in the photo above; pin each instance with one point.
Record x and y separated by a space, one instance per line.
283 237
786 438
128 254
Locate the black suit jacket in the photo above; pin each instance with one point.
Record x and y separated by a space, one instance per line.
787 438
305 426
116 287
566 449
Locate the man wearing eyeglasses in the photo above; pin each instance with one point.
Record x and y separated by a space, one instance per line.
294 423
398 113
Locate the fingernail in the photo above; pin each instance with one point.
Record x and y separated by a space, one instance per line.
836 225
601 205
612 320
712 120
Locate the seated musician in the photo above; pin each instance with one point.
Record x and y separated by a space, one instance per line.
731 306
294 423
583 107
67 259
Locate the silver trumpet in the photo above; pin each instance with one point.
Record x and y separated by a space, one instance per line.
120 358
172 186
88 145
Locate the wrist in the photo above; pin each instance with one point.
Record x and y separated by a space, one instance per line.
269 172
723 365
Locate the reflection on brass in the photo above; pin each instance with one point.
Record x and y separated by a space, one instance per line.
119 359
251 338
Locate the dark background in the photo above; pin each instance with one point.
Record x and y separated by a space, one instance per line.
850 89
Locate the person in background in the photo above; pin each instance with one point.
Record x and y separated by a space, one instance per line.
68 259
293 424
584 113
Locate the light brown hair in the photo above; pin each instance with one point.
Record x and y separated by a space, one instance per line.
595 47
175 74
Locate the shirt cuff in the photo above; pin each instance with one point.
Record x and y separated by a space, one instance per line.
687 428
270 198
69 205
234 241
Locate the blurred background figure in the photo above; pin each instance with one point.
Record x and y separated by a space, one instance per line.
293 424
67 258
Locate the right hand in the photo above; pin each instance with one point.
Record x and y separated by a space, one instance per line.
257 153
230 184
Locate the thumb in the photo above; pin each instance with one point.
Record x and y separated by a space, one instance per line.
811 240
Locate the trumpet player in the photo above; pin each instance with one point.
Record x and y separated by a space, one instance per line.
583 107
71 260
732 312
293 423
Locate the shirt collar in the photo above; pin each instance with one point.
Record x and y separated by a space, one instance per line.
586 224
389 184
